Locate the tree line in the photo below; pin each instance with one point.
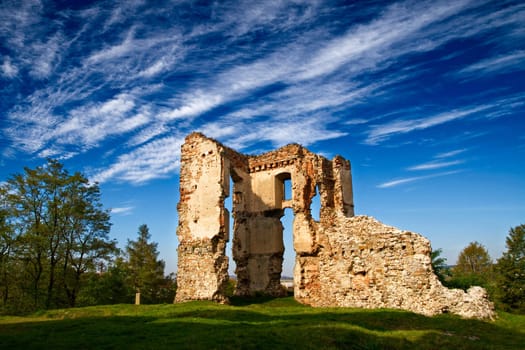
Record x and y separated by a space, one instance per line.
504 280
55 249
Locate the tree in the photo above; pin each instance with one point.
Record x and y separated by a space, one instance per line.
87 246
474 267
146 272
60 229
439 264
474 259
108 287
511 270
6 248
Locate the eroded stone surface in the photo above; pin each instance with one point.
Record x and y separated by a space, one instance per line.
341 260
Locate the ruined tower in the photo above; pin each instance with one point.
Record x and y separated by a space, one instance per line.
341 259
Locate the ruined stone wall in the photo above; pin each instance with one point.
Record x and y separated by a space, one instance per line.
341 260
203 221
258 245
364 263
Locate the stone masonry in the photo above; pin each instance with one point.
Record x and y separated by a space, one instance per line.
341 260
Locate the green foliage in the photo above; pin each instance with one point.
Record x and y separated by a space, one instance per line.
167 290
511 271
108 287
54 230
465 281
439 265
6 249
146 272
140 272
230 287
264 323
473 268
473 259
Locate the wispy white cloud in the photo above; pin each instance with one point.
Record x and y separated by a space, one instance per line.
356 121
243 17
154 69
451 153
306 132
34 42
398 182
30 130
393 34
406 180
196 103
435 165
8 69
439 162
149 132
219 130
122 210
17 21
157 159
45 56
298 84
282 67
116 51
91 124
381 132
285 66
124 10
513 61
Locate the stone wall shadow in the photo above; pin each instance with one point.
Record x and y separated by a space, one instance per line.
209 327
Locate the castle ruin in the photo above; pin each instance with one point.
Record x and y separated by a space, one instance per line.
341 259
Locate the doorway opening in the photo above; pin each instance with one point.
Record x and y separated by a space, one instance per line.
289 251
284 196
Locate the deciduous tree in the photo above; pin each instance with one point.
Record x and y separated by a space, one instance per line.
474 267
60 229
6 248
474 259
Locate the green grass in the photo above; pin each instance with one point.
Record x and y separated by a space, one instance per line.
261 323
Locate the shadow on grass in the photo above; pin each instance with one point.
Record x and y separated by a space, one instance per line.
205 326
263 299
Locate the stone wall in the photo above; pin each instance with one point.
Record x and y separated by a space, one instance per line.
203 221
364 263
341 260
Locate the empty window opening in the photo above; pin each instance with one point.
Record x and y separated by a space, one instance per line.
287 189
283 191
228 204
315 205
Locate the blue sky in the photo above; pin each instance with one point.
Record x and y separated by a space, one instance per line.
425 98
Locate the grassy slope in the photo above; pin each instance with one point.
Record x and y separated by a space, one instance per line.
259 324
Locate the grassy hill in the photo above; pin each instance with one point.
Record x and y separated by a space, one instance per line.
260 323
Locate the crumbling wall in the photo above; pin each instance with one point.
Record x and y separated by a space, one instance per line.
341 260
364 263
203 221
